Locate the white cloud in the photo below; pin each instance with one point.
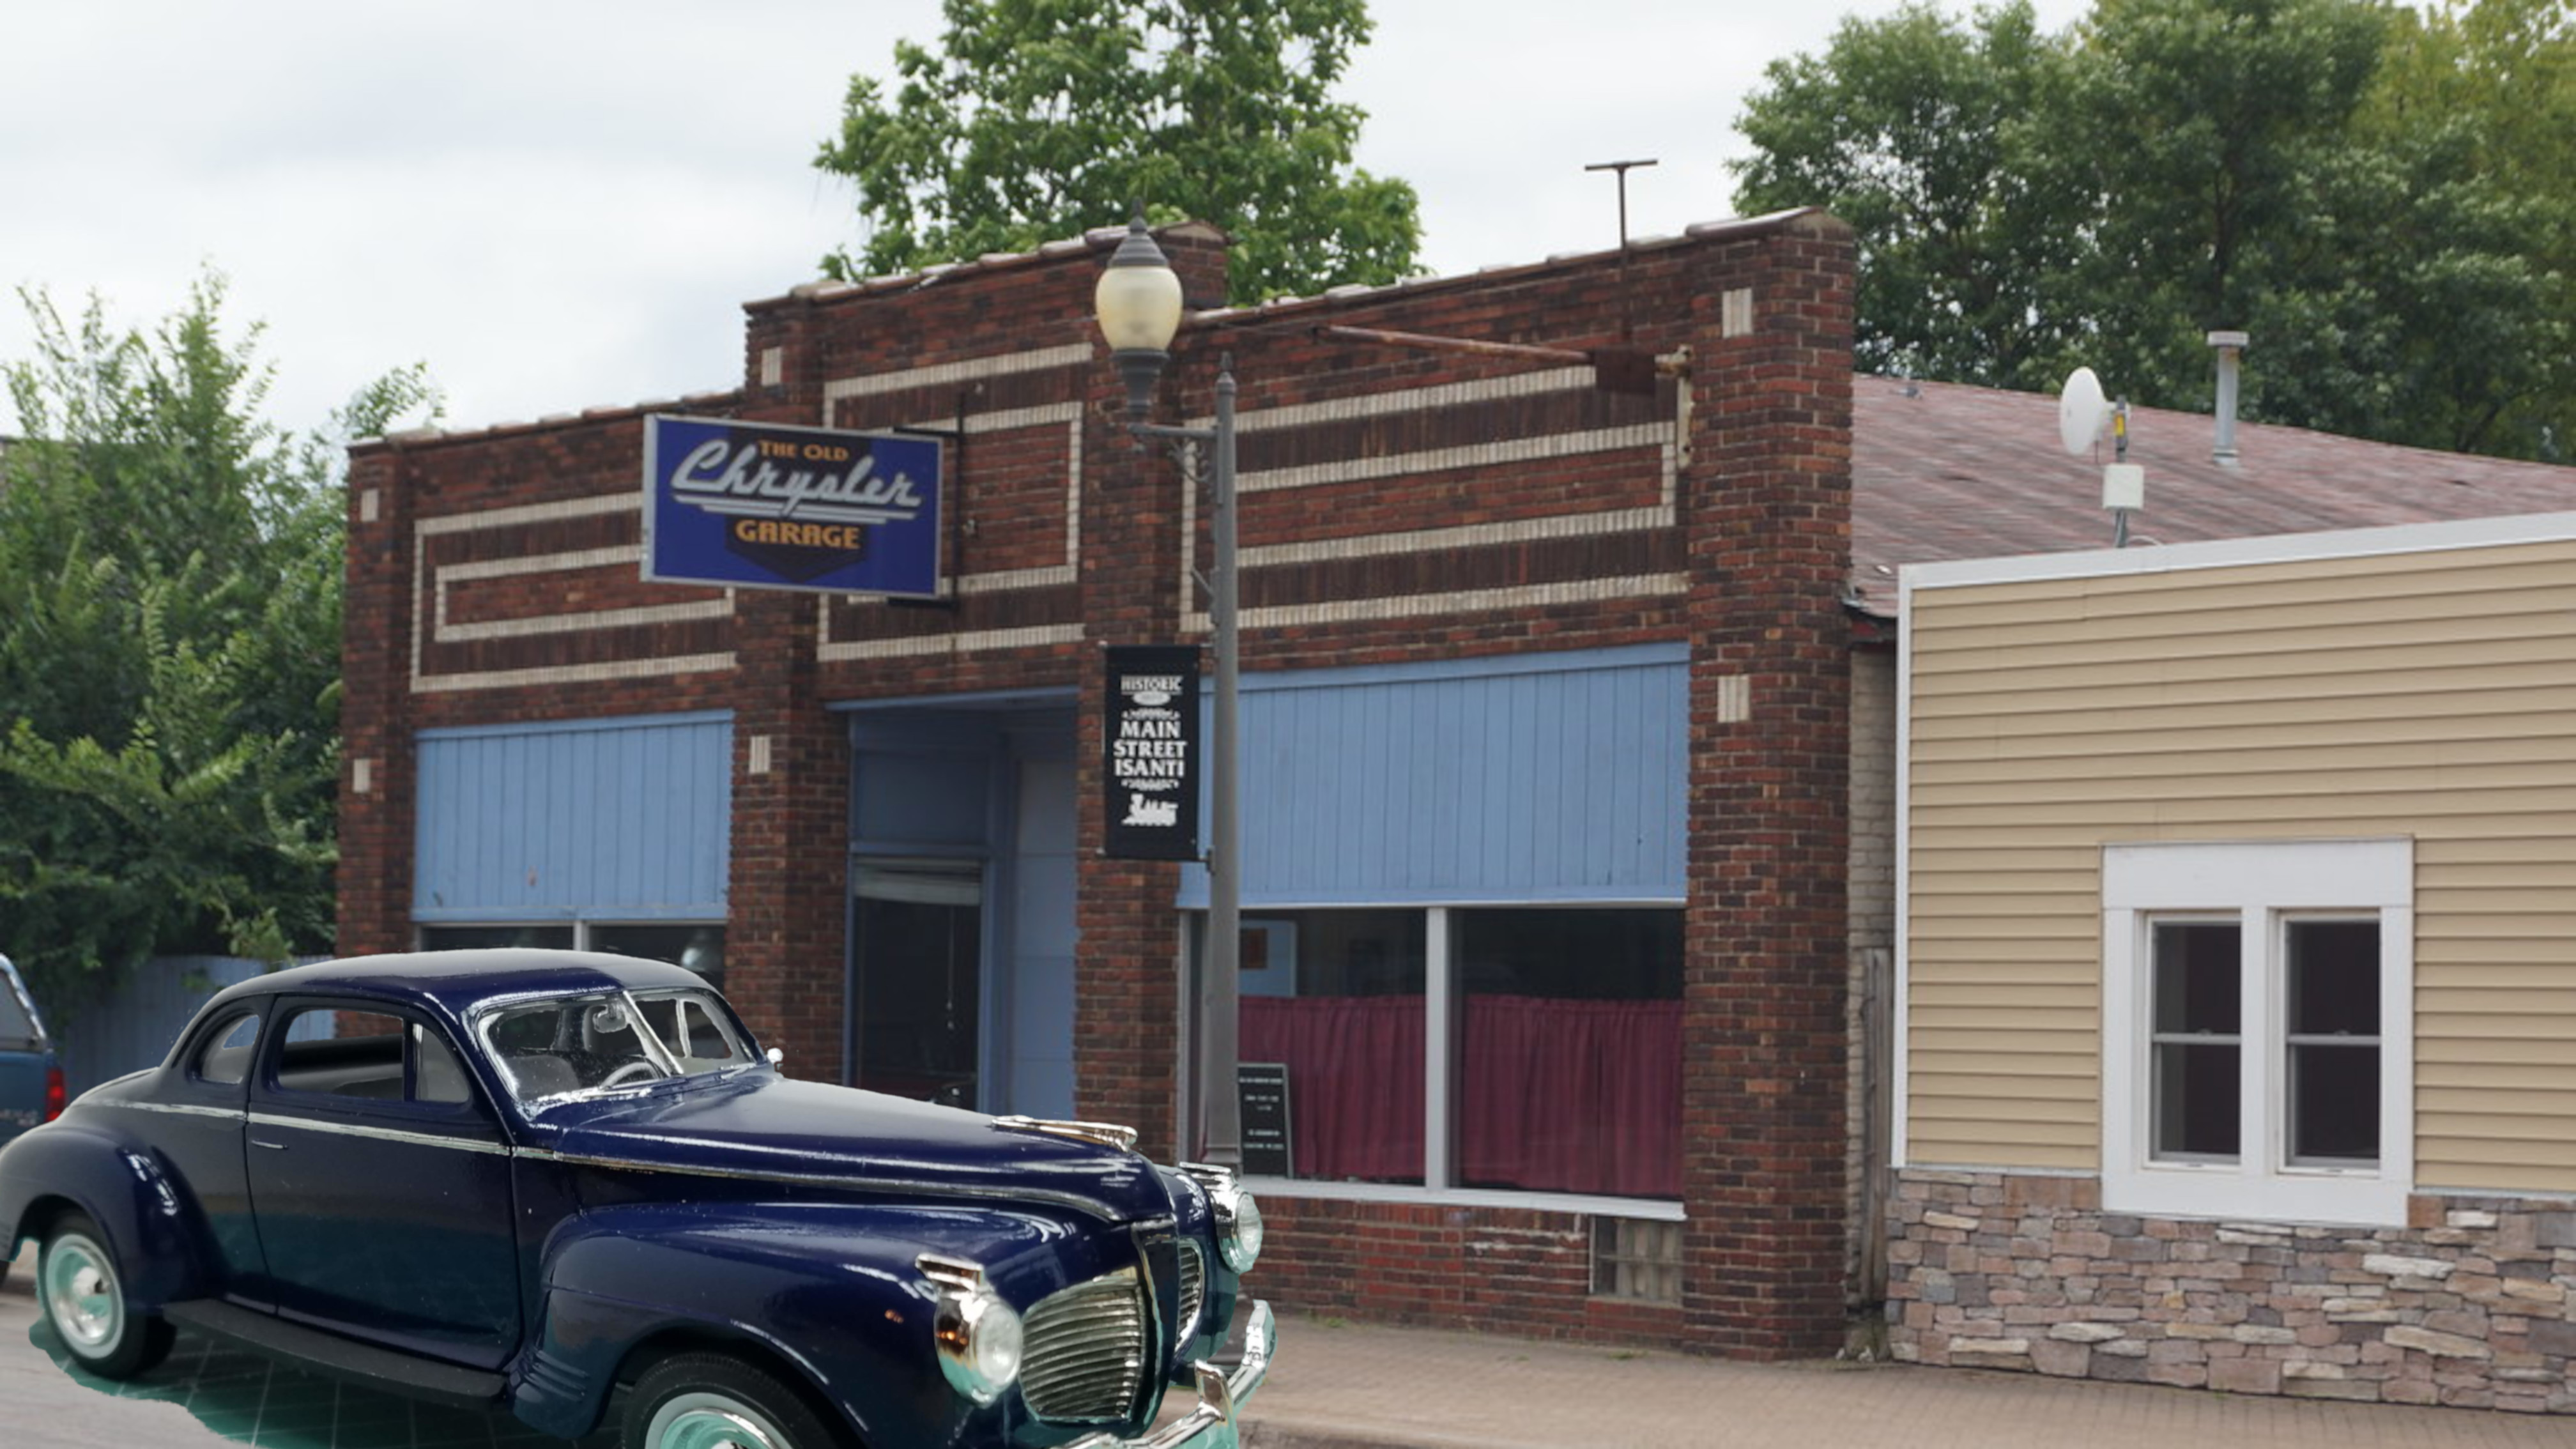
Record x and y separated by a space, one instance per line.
560 204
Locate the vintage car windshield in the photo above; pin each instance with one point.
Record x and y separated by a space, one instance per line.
567 1044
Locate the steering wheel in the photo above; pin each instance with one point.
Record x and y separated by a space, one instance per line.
630 1072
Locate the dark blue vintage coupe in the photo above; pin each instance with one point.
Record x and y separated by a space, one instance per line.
547 1180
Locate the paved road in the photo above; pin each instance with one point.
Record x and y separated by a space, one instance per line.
207 1397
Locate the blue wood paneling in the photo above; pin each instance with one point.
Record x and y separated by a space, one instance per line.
1548 777
107 1034
629 818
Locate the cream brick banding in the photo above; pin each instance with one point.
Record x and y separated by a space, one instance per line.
432 588
1067 415
1666 436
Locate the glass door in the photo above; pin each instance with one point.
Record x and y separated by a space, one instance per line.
918 938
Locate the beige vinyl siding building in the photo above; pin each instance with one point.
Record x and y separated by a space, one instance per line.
2238 950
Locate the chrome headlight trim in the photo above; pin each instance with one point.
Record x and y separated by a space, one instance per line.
979 1337
1238 1216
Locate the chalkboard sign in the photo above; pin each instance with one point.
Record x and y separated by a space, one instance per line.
1262 1090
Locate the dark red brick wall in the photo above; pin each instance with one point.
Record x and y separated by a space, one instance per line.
1512 1271
1755 557
1763 1121
494 479
375 720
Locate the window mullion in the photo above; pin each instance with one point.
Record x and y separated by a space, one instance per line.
1439 1041
2262 1130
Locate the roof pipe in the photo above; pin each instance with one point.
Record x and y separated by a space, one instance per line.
2231 349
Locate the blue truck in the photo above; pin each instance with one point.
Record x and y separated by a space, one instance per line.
31 1075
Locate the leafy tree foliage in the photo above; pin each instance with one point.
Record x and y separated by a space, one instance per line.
1037 119
1911 129
169 647
2496 80
2363 188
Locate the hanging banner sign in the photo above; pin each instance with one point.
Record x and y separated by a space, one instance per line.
1150 748
758 505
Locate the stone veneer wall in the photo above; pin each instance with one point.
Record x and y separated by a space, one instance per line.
2468 1305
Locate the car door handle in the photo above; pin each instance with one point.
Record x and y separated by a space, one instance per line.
271 1146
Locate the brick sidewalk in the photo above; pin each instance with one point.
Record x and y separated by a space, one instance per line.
1336 1386
1346 1386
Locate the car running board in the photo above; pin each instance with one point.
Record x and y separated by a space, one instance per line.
382 1369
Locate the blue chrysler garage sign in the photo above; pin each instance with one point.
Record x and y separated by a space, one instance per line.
757 505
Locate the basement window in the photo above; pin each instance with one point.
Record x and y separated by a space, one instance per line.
1637 1259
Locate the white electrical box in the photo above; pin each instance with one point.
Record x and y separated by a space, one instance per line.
2124 486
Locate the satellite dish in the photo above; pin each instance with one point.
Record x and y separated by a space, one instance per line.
2080 410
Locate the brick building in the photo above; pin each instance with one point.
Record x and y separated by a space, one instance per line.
1546 711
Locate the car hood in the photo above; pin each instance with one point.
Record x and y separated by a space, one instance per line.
761 1125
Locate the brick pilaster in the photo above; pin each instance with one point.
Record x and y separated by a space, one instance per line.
1768 530
785 947
374 885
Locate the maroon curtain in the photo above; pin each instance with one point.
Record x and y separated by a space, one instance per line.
1354 1080
1555 1095
1572 1096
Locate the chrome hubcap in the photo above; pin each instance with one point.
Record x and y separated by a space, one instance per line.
711 1421
81 1294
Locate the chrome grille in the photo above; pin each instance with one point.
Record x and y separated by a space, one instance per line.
1084 1360
1193 1284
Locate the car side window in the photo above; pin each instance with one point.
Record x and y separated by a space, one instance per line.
436 1075
370 1056
366 1062
225 1058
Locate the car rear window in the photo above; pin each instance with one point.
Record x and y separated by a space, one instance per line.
17 1028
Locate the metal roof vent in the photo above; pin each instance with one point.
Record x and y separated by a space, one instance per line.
2231 348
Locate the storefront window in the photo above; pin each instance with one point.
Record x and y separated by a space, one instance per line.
1569 1061
1560 1027
1333 1006
698 946
483 938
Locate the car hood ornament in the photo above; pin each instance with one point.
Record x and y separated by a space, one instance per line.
1107 1134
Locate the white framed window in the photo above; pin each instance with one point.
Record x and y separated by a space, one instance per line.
2258 1029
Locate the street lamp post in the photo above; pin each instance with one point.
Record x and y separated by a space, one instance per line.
1138 306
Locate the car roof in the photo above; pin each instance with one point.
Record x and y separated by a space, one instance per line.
460 981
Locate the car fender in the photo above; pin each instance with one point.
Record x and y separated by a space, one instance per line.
148 1219
830 1289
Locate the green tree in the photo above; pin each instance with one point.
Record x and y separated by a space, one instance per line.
2166 168
2497 79
169 647
1911 128
1038 119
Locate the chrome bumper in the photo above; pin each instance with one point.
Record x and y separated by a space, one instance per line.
1209 1425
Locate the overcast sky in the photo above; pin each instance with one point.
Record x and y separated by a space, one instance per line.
560 204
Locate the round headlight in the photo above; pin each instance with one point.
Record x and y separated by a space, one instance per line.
996 1344
979 1336
1239 1233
